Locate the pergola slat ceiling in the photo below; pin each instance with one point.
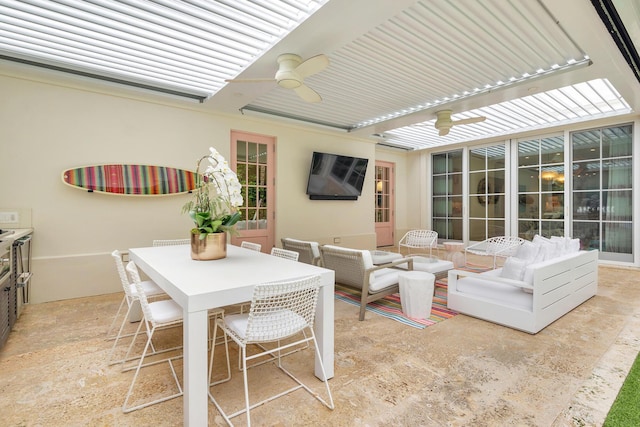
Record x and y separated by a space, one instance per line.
185 47
421 59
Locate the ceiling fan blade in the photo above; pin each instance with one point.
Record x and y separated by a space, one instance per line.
250 80
308 94
469 120
313 65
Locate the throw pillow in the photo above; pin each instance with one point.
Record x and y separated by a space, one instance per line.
527 251
513 268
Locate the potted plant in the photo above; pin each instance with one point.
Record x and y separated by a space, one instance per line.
213 208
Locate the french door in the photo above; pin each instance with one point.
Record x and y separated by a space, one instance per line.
253 160
384 207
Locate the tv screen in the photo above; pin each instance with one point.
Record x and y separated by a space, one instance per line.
335 177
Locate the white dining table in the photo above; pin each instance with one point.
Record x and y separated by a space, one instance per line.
198 286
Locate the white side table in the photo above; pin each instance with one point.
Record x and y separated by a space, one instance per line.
416 293
454 253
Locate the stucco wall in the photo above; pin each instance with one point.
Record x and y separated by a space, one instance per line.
47 128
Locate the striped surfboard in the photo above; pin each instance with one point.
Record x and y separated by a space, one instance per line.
133 180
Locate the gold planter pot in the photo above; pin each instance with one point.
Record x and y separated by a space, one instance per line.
214 246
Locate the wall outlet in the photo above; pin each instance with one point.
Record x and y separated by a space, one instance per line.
336 240
9 217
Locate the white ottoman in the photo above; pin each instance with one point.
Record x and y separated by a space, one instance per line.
416 293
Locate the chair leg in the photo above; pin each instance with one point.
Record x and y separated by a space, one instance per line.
127 409
213 349
109 337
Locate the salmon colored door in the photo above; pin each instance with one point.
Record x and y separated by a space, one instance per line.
384 207
253 160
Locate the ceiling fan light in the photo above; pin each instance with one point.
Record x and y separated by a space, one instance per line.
289 83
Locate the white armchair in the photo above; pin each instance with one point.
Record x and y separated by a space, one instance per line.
499 246
419 239
309 251
354 269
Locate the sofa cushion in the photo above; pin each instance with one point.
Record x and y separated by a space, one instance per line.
514 268
485 289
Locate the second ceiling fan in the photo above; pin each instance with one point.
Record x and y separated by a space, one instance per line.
292 71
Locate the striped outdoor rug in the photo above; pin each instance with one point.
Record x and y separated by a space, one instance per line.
390 306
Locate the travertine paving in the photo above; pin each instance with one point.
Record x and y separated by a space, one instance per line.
463 371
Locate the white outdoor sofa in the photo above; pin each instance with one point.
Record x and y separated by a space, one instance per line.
548 290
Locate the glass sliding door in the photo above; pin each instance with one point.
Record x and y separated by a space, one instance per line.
602 191
486 199
446 187
541 187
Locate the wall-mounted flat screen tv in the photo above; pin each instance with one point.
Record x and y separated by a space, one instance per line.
336 177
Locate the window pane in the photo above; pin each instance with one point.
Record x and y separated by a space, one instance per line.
455 229
440 185
477 230
553 206
586 145
528 153
616 174
495 157
617 205
552 178
528 206
586 175
552 150
552 228
617 238
477 159
455 161
456 184
528 229
528 180
456 207
495 228
495 182
440 226
477 183
616 142
588 233
586 205
440 206
477 206
439 163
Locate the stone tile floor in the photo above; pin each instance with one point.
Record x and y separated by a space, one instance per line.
463 371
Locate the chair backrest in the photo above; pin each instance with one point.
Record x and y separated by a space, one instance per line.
349 265
142 297
285 253
117 257
308 252
419 239
503 245
171 242
281 309
250 245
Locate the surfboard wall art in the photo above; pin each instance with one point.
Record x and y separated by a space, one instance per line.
132 180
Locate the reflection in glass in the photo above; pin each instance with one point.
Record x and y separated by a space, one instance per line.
528 206
528 179
586 205
586 175
528 153
617 174
477 159
477 230
588 233
617 205
617 237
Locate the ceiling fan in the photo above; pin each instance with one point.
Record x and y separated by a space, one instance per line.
444 122
291 73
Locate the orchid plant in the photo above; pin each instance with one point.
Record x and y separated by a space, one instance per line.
217 196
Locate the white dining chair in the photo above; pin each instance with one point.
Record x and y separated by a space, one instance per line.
151 290
279 310
171 242
250 245
285 253
157 315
